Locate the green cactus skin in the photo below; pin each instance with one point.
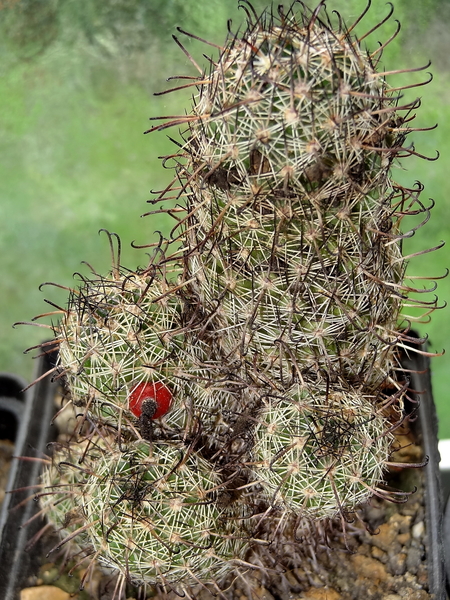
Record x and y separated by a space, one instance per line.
152 514
296 106
280 339
120 331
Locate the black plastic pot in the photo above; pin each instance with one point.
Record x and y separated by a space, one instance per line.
25 419
447 541
426 427
29 414
12 405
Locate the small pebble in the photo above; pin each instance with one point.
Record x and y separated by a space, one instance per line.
397 563
413 559
320 594
386 536
369 568
422 575
43 592
379 554
404 538
401 523
420 595
418 530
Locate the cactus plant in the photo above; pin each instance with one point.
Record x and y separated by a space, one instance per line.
277 348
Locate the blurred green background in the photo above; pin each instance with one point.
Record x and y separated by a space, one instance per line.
76 90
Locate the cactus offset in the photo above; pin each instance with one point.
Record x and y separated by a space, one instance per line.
279 342
150 515
318 458
116 335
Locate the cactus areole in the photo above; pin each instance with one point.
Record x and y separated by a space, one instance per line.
156 396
